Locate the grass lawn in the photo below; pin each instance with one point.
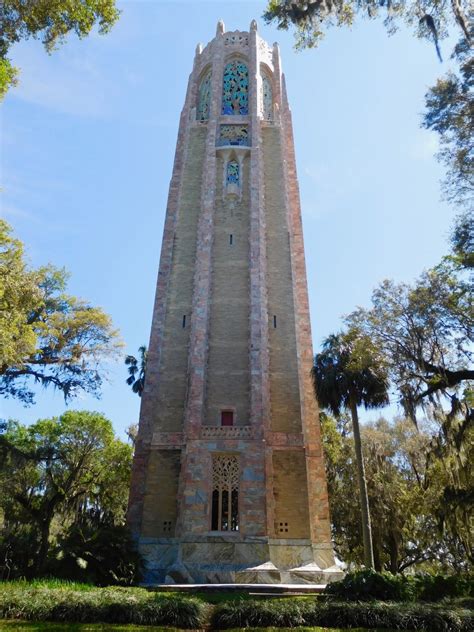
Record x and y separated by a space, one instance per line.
65 606
28 626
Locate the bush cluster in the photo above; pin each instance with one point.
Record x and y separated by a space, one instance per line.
368 585
87 604
312 612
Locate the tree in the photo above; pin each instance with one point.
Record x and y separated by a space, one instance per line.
426 334
406 483
430 19
137 370
450 113
48 20
47 336
349 372
62 469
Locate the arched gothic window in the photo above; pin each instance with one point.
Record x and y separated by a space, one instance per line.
267 98
233 173
204 97
235 92
225 493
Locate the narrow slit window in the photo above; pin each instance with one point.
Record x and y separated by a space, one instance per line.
274 321
231 239
184 321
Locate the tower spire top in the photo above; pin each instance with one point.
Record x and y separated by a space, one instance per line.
220 27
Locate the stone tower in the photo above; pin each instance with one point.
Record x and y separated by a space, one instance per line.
228 479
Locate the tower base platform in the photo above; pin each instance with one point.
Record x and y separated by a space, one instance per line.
233 561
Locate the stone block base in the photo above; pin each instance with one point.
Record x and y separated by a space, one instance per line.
226 559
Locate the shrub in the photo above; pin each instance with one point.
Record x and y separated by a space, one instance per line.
367 585
38 602
292 613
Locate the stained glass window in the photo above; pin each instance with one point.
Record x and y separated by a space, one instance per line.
236 87
204 98
233 172
267 98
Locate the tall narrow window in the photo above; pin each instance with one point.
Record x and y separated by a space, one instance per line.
235 97
231 239
267 98
274 321
225 493
204 99
233 173
184 321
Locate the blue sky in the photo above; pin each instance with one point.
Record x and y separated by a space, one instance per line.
88 141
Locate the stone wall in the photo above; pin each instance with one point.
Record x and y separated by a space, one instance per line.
168 409
284 387
160 502
228 359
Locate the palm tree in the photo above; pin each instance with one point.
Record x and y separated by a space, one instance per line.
137 370
347 373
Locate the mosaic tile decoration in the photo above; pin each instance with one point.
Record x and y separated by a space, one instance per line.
267 98
235 90
233 135
204 98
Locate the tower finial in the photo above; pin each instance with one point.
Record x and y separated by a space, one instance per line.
198 48
253 25
220 27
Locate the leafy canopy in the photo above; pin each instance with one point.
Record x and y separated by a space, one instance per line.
65 469
51 21
47 337
450 113
349 370
429 18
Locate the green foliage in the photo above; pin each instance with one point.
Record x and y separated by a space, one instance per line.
51 21
292 613
113 605
430 19
96 551
367 585
137 370
349 370
47 336
450 113
462 240
415 523
8 76
65 481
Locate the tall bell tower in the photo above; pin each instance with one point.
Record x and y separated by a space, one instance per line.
228 479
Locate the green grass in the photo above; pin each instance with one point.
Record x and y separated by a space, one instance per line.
80 608
16 626
73 603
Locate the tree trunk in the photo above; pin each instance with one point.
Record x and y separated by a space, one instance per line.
45 526
364 500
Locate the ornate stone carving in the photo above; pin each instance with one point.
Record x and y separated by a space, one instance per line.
236 37
226 432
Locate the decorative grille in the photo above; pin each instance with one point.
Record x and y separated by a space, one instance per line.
204 98
233 135
225 493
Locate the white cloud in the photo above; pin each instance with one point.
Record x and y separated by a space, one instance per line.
63 82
